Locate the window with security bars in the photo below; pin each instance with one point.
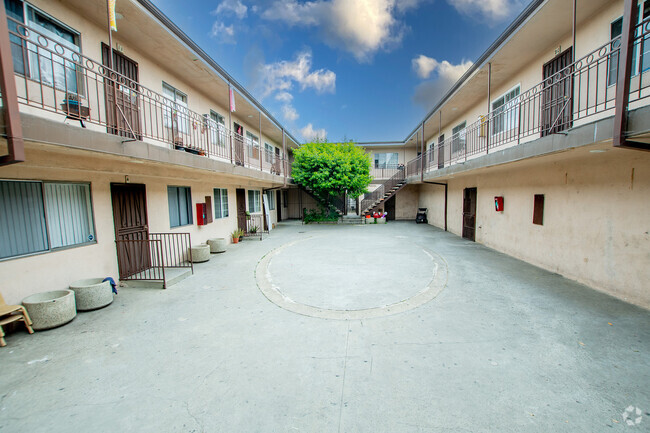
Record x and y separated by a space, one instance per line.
220 203
44 216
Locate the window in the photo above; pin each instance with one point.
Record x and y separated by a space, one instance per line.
43 216
254 201
220 203
270 199
538 210
180 205
253 143
216 127
176 115
616 28
458 138
640 57
505 112
269 156
39 58
386 160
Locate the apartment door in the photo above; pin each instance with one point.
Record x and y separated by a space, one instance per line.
238 144
123 116
278 208
557 101
469 213
441 151
131 227
241 208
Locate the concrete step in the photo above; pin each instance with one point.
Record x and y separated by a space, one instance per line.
172 276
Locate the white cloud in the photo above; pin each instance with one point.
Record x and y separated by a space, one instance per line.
429 92
490 10
235 7
280 76
361 27
225 34
424 66
284 97
289 113
310 134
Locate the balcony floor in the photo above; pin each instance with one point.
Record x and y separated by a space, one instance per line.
497 345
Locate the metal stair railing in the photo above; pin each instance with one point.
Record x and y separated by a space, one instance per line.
371 200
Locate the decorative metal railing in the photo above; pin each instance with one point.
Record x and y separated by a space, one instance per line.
56 78
256 226
372 199
385 173
147 259
579 91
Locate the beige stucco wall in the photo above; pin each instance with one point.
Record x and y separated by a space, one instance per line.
151 73
595 231
406 202
59 268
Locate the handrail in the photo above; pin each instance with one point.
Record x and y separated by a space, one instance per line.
575 92
54 77
370 200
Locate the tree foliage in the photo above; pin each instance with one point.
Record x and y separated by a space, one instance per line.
331 169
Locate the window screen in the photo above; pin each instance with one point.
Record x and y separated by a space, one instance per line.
69 214
22 219
220 203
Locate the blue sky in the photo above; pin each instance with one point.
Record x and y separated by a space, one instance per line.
366 70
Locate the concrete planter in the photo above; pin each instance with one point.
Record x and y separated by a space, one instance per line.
91 294
200 253
217 245
381 220
51 309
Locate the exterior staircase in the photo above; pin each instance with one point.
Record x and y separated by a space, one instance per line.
337 204
385 191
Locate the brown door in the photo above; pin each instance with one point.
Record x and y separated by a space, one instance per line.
278 208
241 208
441 151
469 213
238 144
557 103
124 116
131 226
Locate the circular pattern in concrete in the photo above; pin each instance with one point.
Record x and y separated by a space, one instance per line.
341 277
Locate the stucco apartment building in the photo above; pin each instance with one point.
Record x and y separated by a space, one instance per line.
540 149
124 154
535 151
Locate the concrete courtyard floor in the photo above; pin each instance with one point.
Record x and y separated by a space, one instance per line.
395 328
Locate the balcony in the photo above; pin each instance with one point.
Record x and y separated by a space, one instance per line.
577 95
58 83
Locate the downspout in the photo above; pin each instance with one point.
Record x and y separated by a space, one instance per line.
13 127
446 190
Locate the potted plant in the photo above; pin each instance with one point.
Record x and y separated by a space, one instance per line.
248 215
253 229
236 235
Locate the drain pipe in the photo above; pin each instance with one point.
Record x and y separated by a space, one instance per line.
446 189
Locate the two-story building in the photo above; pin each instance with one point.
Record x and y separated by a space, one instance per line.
537 151
129 151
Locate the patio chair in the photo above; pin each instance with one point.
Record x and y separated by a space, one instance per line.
10 314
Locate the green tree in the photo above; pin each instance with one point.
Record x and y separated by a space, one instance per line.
331 169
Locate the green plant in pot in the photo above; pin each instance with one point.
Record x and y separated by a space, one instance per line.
237 235
253 229
248 215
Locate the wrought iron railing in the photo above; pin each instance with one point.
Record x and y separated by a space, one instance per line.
140 259
147 259
54 77
176 249
384 173
570 97
372 199
256 226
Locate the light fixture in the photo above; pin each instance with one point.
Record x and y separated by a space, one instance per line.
598 151
250 115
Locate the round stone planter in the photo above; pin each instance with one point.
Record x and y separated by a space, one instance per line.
51 309
200 253
217 245
92 293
